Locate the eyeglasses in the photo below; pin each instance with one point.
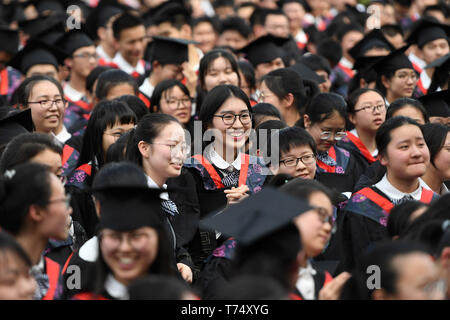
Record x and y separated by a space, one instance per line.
66 200
134 239
372 109
47 104
405 76
86 55
261 96
325 135
306 159
325 217
230 118
175 148
175 103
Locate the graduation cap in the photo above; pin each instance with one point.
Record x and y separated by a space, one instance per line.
9 40
364 67
100 16
426 30
264 49
73 40
14 123
256 216
48 5
392 62
44 23
130 207
168 10
169 50
437 103
374 39
36 52
307 73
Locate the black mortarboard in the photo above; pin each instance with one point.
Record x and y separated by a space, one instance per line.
374 39
73 40
49 5
126 208
44 23
364 67
168 10
437 103
169 50
395 60
9 40
264 49
14 123
256 216
426 30
307 73
100 16
36 52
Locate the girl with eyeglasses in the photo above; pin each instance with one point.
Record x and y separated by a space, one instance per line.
325 120
366 112
157 144
222 171
35 209
403 151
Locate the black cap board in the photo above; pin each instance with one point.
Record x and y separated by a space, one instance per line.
437 103
426 30
14 123
9 40
374 39
257 215
100 16
169 50
49 5
73 40
264 49
43 24
307 73
392 62
364 67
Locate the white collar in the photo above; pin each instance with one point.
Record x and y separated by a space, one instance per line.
415 59
102 54
346 63
39 268
152 184
64 135
128 68
89 250
147 88
394 194
425 79
305 283
301 36
71 93
219 162
116 289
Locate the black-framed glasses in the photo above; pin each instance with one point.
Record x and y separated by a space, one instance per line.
175 103
306 160
49 103
66 200
230 118
372 109
324 216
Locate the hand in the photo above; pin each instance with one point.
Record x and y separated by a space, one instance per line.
333 289
234 195
185 271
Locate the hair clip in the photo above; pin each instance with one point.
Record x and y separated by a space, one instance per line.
10 174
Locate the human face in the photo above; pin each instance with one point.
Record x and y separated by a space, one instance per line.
43 69
365 118
171 71
164 157
220 72
233 39
300 170
205 34
230 137
401 84
84 59
442 160
441 120
335 124
277 25
435 49
264 68
120 90
57 212
165 29
324 86
16 283
349 40
176 103
397 41
417 275
314 231
295 13
410 112
407 155
50 159
111 134
132 43
45 119
129 254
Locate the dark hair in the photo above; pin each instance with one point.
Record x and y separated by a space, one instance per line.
209 58
406 102
237 24
161 89
27 184
262 110
23 91
331 50
440 6
347 28
26 146
303 189
158 287
116 151
292 137
248 72
316 62
400 217
271 128
112 78
353 98
9 244
93 76
435 135
284 81
267 12
383 135
279 179
105 114
125 21
174 13
325 105
134 103
147 129
391 30
213 21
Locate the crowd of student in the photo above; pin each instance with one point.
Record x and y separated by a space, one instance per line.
224 149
